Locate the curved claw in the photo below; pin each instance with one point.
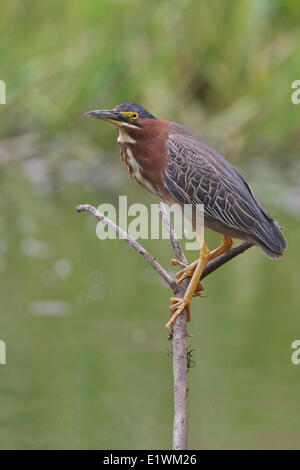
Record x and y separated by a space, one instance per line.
198 290
176 262
187 272
177 307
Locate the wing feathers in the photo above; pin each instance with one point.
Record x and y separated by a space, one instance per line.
194 175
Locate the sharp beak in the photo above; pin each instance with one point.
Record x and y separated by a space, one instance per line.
107 115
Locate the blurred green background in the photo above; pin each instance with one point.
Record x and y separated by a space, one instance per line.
88 361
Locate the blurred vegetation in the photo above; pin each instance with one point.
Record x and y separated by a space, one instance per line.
87 355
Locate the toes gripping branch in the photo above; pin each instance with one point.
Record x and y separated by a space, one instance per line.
194 271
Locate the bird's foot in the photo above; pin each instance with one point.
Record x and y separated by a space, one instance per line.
187 272
176 308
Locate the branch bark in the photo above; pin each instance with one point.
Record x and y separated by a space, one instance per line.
180 374
179 335
174 241
137 246
229 255
180 350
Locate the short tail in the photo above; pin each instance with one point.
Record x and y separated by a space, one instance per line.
271 239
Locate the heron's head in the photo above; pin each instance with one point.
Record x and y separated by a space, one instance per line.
130 115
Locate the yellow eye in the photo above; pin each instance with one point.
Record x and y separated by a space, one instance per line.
134 116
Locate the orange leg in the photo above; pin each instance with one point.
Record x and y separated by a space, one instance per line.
189 270
177 304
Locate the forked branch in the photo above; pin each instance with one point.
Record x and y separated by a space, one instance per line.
137 246
179 334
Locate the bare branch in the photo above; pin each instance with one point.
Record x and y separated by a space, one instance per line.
229 255
141 250
180 359
175 243
180 374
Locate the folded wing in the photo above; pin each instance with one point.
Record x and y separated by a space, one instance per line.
196 174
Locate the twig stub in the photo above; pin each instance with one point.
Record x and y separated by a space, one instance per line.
179 334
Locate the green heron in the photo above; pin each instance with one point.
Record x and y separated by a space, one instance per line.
178 167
